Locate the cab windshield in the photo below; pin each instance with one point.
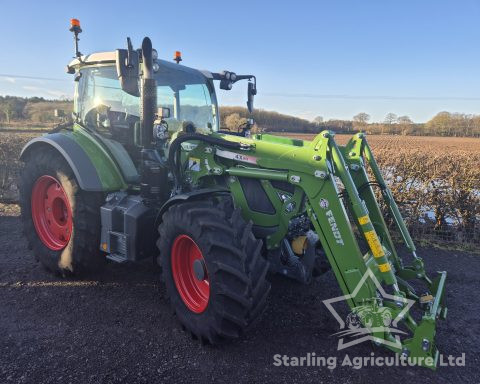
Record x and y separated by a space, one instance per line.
186 92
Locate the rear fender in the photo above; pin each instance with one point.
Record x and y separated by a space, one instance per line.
93 167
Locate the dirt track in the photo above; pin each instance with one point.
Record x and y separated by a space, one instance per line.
118 327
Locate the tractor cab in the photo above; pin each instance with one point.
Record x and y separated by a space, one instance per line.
185 95
135 102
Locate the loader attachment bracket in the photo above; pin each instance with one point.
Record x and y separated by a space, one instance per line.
421 348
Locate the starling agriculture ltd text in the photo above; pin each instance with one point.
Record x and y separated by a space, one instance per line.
358 362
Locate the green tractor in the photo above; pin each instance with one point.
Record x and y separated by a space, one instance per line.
146 171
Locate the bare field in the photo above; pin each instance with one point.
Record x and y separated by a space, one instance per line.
11 145
435 180
426 143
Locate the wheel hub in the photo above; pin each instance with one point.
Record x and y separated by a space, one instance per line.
190 273
199 269
51 213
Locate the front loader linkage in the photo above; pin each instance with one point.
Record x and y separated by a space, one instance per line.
333 221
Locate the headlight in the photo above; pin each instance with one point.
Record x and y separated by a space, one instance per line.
154 54
233 76
156 67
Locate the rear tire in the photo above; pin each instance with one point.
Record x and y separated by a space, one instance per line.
220 296
72 246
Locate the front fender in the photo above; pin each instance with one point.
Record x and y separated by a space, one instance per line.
189 196
93 167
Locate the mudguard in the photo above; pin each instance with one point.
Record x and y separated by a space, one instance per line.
197 194
94 168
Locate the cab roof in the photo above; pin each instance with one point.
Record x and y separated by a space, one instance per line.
94 58
110 57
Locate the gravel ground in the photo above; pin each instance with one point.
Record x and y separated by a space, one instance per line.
118 327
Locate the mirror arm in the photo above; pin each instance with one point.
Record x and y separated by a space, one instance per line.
245 77
217 76
221 76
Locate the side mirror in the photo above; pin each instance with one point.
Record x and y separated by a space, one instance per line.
127 63
252 91
163 113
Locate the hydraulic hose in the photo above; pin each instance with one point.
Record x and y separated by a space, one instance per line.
174 151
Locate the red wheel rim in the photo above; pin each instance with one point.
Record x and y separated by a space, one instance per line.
51 213
193 286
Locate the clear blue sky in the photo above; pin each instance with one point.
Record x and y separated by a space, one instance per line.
328 58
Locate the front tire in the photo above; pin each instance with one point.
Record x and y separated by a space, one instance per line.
60 221
213 269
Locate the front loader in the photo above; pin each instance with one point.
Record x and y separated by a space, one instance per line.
145 170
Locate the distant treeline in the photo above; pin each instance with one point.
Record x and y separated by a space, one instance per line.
32 110
443 124
270 121
38 111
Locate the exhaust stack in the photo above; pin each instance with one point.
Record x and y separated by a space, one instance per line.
148 95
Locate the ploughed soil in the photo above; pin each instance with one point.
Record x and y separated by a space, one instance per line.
118 327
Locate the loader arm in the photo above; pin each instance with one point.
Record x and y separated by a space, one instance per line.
340 220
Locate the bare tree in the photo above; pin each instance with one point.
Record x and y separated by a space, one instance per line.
361 120
391 118
404 120
318 120
12 107
405 124
234 121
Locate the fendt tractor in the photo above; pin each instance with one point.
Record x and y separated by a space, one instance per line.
144 170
